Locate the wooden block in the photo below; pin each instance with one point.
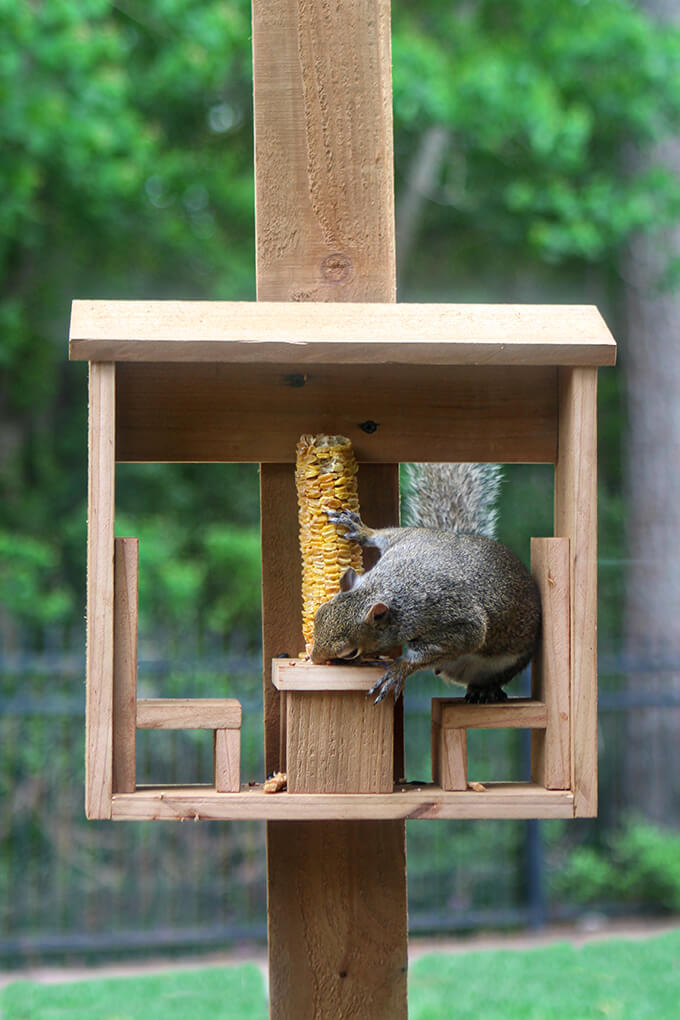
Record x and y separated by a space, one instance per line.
551 673
325 332
449 757
256 412
339 742
188 714
576 519
303 675
227 760
100 592
516 713
125 664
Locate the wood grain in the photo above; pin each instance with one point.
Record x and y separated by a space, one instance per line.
281 595
200 412
325 231
188 713
100 592
551 672
576 519
126 572
515 713
302 675
449 757
313 334
323 151
339 742
425 801
227 760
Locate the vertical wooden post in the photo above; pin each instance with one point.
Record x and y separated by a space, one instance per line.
126 572
575 518
324 231
227 760
101 491
551 672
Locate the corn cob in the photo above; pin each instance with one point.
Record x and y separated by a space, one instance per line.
326 479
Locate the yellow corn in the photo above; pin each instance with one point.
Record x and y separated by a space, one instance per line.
326 479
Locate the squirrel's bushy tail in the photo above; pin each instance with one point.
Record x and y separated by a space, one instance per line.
454 497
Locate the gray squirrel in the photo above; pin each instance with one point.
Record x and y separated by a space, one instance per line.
461 604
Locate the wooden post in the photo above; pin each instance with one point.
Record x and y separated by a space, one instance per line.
227 760
551 672
324 231
126 571
576 519
101 493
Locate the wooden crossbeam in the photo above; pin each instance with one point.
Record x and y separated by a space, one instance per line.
188 714
321 333
424 801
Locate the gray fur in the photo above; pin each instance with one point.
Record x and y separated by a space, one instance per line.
454 497
439 596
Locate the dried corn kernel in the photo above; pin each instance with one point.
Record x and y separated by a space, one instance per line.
326 479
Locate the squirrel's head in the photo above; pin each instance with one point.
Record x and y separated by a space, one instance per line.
351 624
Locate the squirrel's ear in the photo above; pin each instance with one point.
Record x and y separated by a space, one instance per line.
377 612
349 579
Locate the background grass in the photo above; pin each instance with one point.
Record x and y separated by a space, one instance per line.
620 979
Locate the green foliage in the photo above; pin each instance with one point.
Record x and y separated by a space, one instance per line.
198 580
127 172
640 865
29 583
541 104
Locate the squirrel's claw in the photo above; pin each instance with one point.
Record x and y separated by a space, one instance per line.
387 683
490 695
349 520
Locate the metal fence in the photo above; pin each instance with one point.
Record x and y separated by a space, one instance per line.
68 886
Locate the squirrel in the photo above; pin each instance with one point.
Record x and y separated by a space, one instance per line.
461 604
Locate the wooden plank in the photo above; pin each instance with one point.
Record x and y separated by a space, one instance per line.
100 592
126 572
303 675
551 673
516 713
201 412
325 231
576 519
281 593
339 742
304 332
227 760
499 800
188 714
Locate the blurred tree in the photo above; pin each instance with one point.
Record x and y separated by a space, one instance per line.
127 167
127 172
652 610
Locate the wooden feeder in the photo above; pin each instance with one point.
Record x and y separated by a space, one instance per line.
190 381
325 349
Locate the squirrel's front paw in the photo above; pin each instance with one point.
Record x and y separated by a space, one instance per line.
349 520
391 681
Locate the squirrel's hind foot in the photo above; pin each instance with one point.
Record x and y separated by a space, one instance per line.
485 695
